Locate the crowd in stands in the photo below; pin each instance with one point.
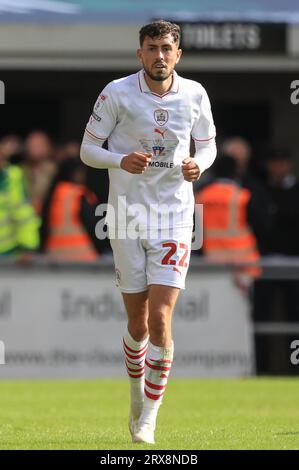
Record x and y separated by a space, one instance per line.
47 205
248 216
48 199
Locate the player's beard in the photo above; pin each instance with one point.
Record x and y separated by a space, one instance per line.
159 77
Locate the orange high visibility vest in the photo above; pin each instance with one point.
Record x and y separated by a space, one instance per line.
227 235
68 239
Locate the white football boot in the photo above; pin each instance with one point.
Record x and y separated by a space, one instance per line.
145 433
133 423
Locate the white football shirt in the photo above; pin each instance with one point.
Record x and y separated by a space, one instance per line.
134 119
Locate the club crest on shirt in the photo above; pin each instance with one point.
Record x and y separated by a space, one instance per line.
161 116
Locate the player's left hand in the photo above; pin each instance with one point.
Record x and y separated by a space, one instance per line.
190 170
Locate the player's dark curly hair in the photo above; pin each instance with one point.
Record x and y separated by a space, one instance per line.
159 29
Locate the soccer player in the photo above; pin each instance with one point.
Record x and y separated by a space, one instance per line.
148 119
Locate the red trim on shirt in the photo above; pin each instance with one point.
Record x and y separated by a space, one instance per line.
95 136
204 140
155 94
160 96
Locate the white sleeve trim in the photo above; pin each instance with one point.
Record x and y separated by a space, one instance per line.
92 153
205 153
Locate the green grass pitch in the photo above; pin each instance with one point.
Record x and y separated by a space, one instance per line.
196 414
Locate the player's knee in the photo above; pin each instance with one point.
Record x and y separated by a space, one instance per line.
139 331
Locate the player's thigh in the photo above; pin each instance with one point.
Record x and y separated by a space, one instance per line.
130 264
168 258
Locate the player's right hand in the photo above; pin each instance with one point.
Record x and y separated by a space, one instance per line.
136 162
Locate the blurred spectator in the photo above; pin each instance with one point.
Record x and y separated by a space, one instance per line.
279 299
69 149
283 188
39 167
11 147
241 150
18 223
97 180
258 215
227 235
68 229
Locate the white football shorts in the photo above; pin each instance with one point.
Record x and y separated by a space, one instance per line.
152 260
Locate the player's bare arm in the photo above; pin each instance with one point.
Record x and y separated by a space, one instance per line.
190 170
136 162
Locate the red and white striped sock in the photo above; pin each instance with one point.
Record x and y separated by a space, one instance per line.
157 368
135 352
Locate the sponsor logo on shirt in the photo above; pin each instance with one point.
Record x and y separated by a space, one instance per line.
161 116
160 132
157 164
159 145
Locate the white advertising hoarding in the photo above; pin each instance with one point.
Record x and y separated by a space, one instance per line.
62 323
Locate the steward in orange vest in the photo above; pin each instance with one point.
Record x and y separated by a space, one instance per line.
227 237
65 237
